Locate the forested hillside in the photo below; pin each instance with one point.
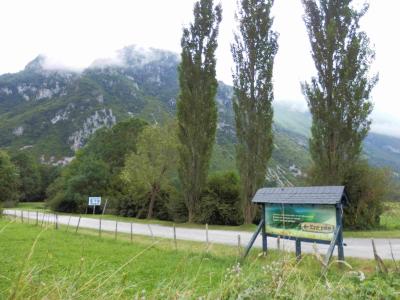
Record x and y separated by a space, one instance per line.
52 113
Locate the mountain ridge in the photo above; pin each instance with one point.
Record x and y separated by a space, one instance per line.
53 112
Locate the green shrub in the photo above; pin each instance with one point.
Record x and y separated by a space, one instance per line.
367 188
136 204
220 201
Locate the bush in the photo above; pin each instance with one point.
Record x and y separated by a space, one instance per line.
136 204
367 188
220 201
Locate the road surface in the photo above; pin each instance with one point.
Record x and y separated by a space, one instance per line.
356 247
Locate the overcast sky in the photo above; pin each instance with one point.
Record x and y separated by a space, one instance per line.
72 33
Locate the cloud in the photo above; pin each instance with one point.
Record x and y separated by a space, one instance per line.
385 123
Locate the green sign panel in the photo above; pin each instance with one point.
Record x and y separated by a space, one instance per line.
317 222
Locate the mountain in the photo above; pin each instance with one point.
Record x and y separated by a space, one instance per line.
52 112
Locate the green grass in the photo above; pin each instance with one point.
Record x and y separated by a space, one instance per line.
32 206
39 263
389 228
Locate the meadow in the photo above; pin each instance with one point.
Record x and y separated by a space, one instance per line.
45 263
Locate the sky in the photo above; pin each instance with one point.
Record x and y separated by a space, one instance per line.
73 33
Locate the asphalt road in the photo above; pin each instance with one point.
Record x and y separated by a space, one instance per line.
356 247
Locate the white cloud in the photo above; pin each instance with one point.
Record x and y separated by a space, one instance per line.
73 33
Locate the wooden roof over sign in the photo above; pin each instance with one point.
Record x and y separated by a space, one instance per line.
302 195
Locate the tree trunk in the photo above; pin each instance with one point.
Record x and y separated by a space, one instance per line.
191 210
153 195
248 213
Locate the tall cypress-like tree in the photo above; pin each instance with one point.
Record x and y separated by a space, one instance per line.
197 110
253 52
338 97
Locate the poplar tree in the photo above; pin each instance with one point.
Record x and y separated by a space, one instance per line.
253 52
197 109
339 96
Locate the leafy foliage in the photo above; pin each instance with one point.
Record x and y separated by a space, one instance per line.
94 172
151 167
220 201
338 97
367 189
30 176
113 144
253 52
197 109
9 178
84 177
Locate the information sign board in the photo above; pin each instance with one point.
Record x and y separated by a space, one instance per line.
95 201
315 222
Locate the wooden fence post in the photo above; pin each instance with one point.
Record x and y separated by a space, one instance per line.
151 231
379 262
56 220
100 226
116 230
207 241
77 226
37 218
131 232
69 220
175 242
239 246
41 225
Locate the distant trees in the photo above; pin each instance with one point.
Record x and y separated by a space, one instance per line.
85 176
253 52
338 97
96 168
150 168
9 180
197 110
30 176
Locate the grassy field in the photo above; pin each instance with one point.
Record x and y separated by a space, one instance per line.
40 263
389 228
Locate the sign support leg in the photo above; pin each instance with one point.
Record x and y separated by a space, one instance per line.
263 233
339 221
253 238
298 249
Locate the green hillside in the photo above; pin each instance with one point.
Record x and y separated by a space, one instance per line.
53 113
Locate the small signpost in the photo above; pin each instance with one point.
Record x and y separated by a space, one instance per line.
302 214
94 201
